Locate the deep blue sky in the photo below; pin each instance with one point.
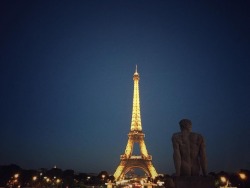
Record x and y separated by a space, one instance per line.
66 80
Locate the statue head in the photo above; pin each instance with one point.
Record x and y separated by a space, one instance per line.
185 125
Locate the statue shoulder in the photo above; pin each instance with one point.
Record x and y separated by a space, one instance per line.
176 136
197 137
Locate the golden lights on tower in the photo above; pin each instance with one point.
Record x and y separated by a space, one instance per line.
129 161
136 112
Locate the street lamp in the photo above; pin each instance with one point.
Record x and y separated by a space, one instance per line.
243 177
224 181
103 176
58 181
34 178
47 181
15 181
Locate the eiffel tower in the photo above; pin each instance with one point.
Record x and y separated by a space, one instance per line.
127 160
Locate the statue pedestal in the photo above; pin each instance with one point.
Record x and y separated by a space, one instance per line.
194 182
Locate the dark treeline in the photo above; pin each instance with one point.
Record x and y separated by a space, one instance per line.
14 176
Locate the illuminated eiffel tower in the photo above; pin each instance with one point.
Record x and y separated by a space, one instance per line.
127 160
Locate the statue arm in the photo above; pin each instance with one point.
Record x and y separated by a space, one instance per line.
176 155
203 158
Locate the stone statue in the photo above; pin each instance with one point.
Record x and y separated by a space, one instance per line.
189 151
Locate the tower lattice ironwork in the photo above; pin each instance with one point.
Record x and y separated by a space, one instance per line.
127 160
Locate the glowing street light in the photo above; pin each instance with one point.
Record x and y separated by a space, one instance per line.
242 175
103 177
34 178
16 175
224 181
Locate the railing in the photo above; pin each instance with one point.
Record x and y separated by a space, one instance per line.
136 157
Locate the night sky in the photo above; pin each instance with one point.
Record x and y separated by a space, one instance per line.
67 80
